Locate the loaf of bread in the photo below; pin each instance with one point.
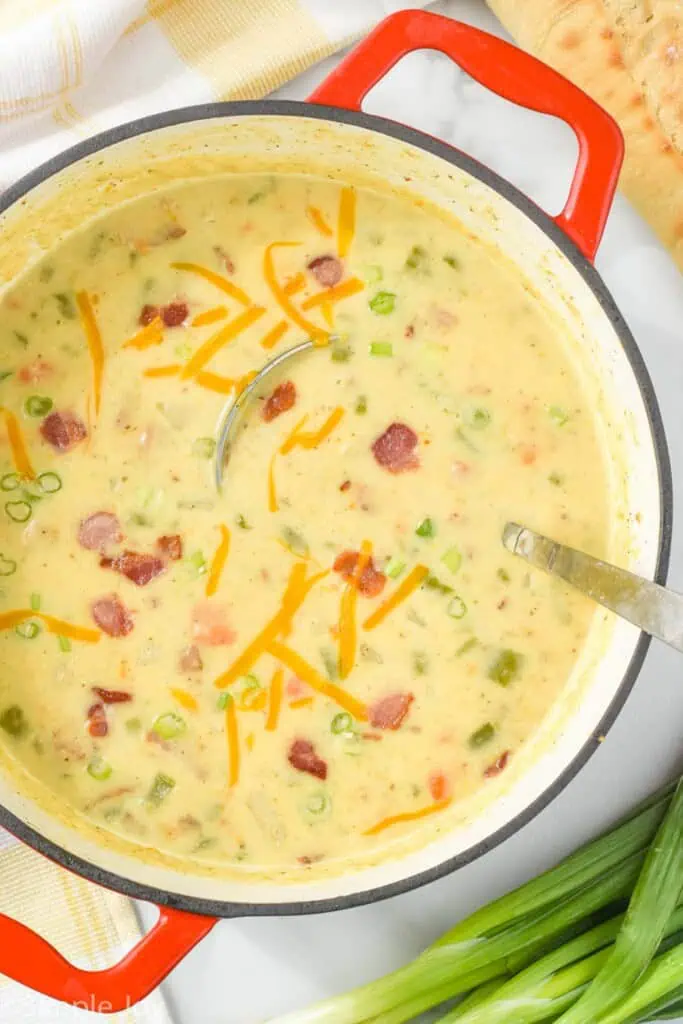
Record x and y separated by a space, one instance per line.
627 55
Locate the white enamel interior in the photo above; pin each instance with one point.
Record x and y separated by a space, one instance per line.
358 155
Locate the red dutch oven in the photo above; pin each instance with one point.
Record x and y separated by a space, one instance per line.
555 254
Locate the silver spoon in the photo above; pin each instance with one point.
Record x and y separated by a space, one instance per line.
233 411
654 609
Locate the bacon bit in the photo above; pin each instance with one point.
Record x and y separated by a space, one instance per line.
528 455
97 721
345 486
99 530
20 456
318 335
403 590
63 430
111 615
281 400
210 316
497 766
210 627
390 711
302 756
148 314
439 786
112 696
174 314
346 222
185 699
409 331
316 217
372 581
397 819
93 338
139 568
271 338
327 270
217 341
224 385
34 372
275 700
170 545
218 562
394 450
190 659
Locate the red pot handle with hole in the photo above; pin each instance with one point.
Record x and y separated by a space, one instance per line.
514 75
29 959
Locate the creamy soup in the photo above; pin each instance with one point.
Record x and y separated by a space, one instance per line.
307 666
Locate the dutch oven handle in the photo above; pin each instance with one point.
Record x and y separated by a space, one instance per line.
31 960
514 75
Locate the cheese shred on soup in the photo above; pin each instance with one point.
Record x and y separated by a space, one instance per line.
306 667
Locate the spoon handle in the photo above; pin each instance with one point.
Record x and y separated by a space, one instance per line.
655 609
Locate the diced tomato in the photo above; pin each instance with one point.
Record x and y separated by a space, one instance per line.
439 786
36 371
210 625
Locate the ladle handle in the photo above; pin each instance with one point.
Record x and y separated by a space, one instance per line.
28 958
512 74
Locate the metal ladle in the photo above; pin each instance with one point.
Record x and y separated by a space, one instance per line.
653 608
233 411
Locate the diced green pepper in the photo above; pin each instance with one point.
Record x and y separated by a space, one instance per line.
505 667
98 768
361 405
394 567
204 447
434 583
13 721
452 559
384 349
426 528
66 304
558 415
484 734
38 405
383 303
160 789
416 258
295 542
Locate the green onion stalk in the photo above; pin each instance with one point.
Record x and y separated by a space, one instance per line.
509 934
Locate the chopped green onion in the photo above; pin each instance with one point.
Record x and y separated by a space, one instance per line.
223 700
98 768
420 663
64 644
383 303
483 735
453 262
457 609
372 274
37 405
249 689
18 511
160 789
425 528
34 601
27 630
503 575
477 418
469 645
133 725
295 542
394 567
10 482
330 662
13 721
196 563
558 415
318 804
7 566
361 405
505 667
416 257
341 723
242 522
49 483
66 305
452 559
169 726
381 348
340 350
434 583
204 447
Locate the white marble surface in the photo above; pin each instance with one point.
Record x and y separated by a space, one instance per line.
247 971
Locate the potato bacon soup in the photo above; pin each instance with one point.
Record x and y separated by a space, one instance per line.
307 666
